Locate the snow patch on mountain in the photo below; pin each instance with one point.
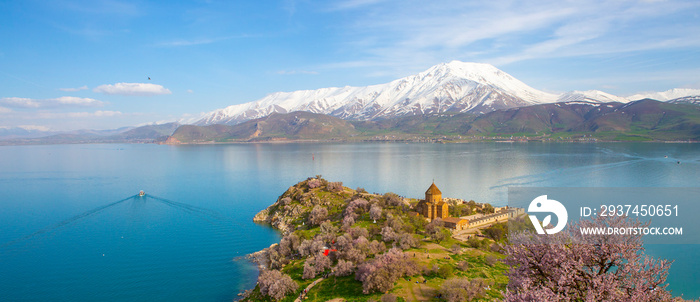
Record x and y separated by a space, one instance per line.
691 99
665 95
595 96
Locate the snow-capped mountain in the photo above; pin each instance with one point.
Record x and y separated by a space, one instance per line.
665 95
595 96
692 99
447 87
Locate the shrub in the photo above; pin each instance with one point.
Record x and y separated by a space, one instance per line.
441 234
285 201
318 215
491 260
361 243
456 248
445 271
304 248
496 248
388 298
358 232
375 212
391 199
376 247
417 223
388 234
315 265
395 223
313 183
354 255
474 242
335 186
275 284
289 244
309 269
407 241
380 273
497 232
343 268
328 228
434 225
348 221
461 289
344 242
356 207
463 265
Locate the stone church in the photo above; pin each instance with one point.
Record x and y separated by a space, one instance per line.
433 206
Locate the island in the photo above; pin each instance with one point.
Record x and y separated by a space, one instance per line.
344 244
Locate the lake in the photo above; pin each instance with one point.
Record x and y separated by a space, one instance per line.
181 242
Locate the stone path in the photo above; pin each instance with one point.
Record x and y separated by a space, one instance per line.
308 288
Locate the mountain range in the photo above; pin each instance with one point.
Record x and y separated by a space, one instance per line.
638 120
455 98
142 134
455 87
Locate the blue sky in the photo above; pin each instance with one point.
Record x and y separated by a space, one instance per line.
85 64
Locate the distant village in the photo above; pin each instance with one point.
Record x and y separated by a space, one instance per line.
482 215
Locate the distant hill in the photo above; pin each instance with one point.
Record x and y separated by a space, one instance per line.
640 120
23 132
143 134
149 132
693 99
295 125
645 119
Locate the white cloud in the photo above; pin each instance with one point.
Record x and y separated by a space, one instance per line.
190 91
5 110
70 100
62 115
63 101
34 127
411 35
292 72
142 89
73 89
20 102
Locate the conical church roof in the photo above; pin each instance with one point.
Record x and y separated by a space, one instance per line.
433 190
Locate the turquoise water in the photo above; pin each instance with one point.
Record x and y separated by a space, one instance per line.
143 249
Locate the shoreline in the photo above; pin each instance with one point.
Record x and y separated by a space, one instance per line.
419 142
298 141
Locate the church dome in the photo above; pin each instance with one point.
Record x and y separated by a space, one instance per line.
433 190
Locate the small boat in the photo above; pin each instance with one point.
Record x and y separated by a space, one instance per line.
142 193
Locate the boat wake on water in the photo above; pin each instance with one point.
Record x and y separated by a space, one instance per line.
527 180
67 221
210 216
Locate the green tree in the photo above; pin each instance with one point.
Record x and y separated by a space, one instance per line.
445 271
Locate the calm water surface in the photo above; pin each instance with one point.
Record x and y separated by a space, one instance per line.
185 247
